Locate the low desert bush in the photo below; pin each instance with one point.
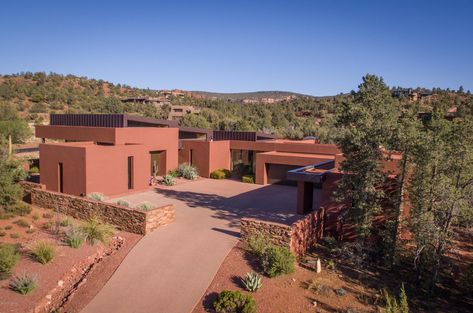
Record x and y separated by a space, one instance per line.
145 206
392 305
274 260
19 208
3 233
277 261
257 244
252 282
74 237
234 302
97 196
65 222
174 173
168 180
24 284
34 170
96 231
22 223
48 215
249 179
123 203
8 257
187 171
220 174
318 288
35 216
43 252
8 227
15 235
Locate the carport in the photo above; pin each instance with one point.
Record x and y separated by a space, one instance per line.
272 166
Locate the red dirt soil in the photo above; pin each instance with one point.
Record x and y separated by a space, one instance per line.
285 294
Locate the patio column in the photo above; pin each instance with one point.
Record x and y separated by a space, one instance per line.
308 200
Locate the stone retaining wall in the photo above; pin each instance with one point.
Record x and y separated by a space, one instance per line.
127 219
298 237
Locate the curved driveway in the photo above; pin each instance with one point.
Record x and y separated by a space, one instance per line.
170 269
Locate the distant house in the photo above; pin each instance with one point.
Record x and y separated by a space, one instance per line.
178 111
158 101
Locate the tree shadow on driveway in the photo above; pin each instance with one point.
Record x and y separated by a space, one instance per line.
273 203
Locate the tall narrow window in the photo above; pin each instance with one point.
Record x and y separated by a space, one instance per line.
191 157
60 182
130 172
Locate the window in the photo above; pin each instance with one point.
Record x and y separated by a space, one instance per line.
191 157
130 172
60 178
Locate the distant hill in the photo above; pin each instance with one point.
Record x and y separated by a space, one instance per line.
255 95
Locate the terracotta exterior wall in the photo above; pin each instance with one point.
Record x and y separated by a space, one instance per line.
127 219
219 155
74 167
88 167
207 156
200 155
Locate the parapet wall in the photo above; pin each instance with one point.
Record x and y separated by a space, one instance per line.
127 219
298 236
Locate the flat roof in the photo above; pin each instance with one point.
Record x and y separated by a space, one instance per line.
325 157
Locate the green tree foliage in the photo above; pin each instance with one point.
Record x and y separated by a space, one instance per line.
366 124
441 189
12 128
10 173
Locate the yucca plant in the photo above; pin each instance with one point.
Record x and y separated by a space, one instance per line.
97 196
24 284
145 206
96 231
123 203
252 282
74 237
168 180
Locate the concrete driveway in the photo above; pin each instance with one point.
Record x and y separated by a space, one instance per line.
170 269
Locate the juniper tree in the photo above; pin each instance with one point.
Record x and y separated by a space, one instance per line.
367 125
441 189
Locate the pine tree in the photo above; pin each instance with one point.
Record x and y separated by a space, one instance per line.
366 124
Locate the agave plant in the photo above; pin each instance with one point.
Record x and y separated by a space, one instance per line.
252 282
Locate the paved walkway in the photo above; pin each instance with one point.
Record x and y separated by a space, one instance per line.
170 269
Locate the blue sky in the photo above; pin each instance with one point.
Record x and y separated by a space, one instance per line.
312 47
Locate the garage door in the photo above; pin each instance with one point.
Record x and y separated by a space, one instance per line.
277 173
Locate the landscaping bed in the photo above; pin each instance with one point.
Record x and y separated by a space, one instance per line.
287 293
59 269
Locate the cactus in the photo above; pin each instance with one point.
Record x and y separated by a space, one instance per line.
252 282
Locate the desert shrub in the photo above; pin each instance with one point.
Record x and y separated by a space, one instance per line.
168 180
145 206
391 303
257 244
8 227
249 179
24 284
43 252
241 169
277 261
220 174
74 237
96 231
318 288
48 215
97 196
48 225
123 203
234 302
22 223
30 231
3 233
331 265
34 170
15 235
19 208
174 173
187 171
65 222
252 282
35 216
8 257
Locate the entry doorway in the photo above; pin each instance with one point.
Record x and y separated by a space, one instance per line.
157 163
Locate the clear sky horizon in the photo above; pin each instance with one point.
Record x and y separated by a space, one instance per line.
311 47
